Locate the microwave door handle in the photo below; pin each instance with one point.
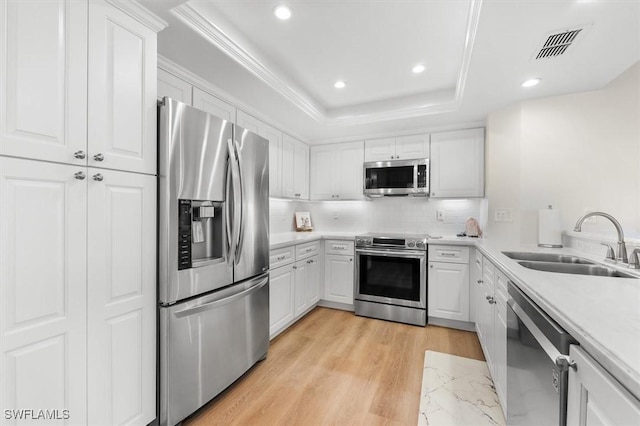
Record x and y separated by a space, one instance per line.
242 212
415 176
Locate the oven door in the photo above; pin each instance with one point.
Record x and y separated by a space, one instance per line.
395 277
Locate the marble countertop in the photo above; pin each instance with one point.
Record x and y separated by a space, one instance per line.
601 313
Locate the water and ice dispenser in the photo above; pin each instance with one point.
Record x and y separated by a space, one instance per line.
200 233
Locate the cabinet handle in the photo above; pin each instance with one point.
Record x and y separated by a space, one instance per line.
80 155
447 254
491 300
297 195
477 261
433 194
98 177
98 157
295 267
480 281
281 257
79 175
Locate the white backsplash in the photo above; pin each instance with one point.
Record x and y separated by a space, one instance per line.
389 214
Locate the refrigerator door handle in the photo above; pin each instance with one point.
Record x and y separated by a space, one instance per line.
217 303
227 205
232 188
242 212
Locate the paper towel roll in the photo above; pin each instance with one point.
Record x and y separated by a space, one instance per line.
549 228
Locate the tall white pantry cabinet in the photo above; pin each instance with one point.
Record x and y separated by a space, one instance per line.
78 211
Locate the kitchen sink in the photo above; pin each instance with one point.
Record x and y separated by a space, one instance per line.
575 268
547 257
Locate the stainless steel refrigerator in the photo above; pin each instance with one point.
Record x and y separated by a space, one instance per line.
213 256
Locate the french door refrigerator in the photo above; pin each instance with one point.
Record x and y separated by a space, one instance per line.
213 256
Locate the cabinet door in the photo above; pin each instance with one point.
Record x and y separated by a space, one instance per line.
448 291
322 172
596 398
281 298
349 172
214 106
301 171
122 91
43 80
500 350
173 87
457 164
338 284
121 297
410 147
275 149
380 149
312 291
288 160
301 271
43 217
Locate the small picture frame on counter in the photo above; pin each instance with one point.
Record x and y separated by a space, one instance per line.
303 222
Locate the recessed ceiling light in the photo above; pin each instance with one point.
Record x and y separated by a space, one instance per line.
531 82
339 84
418 69
282 12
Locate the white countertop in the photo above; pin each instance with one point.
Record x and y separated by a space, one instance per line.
601 313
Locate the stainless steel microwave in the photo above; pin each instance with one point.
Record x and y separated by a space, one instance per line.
396 177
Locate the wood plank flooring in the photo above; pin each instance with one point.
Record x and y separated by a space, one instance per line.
333 367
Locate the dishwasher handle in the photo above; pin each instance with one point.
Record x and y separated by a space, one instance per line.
563 362
220 302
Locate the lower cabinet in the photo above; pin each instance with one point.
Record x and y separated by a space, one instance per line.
596 398
294 285
78 291
338 278
448 291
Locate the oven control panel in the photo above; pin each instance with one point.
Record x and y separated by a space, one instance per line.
392 242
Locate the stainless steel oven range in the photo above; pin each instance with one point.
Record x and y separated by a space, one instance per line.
391 277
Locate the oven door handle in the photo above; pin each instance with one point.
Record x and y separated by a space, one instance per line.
393 253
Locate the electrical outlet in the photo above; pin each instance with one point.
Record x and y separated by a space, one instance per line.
503 215
440 215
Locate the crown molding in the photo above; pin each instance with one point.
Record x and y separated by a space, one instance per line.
193 19
140 13
199 82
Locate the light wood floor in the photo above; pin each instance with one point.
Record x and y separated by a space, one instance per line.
333 367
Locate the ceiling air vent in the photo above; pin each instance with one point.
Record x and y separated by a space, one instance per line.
557 44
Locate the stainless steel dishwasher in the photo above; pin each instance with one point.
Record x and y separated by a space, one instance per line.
537 364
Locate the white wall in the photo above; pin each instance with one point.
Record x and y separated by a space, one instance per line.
575 152
391 214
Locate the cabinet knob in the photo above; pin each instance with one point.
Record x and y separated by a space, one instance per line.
98 177
433 194
480 281
337 195
392 157
79 175
397 156
295 267
350 259
98 157
297 195
431 266
80 155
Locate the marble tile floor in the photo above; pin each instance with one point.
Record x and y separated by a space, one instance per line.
457 391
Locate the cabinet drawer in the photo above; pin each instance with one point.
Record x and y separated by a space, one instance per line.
338 247
501 281
455 254
304 251
281 257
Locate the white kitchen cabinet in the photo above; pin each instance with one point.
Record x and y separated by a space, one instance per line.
43 289
275 149
281 298
397 148
448 290
500 336
174 87
457 164
307 279
484 312
43 80
214 106
295 160
595 397
121 297
336 171
338 276
86 313
122 91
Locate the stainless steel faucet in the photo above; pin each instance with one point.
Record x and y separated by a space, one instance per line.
621 255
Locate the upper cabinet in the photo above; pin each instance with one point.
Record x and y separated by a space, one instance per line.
457 164
122 91
336 171
174 87
397 148
43 80
77 91
214 106
295 160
